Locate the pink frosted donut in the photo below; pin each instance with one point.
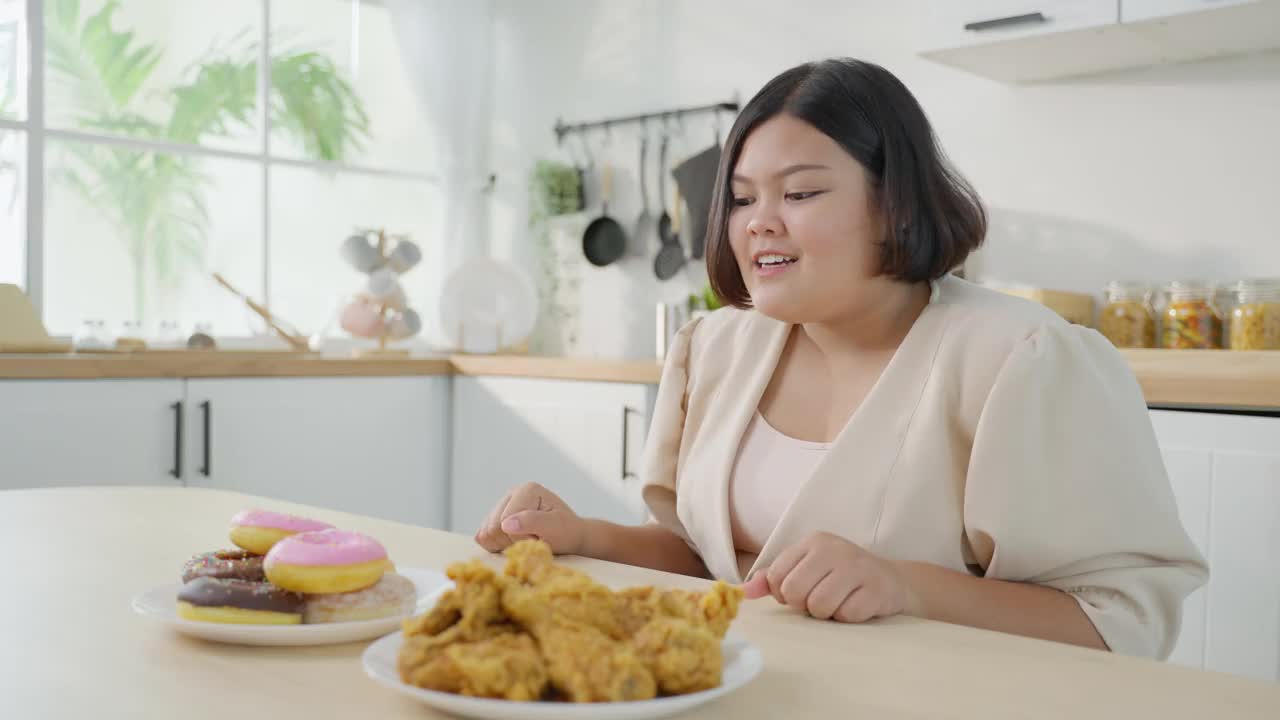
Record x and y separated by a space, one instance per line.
326 561
258 530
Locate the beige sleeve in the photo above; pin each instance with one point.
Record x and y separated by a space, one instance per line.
661 456
1067 488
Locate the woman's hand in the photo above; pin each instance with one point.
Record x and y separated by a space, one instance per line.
828 577
532 511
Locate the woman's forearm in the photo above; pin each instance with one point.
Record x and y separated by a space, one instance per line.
648 546
938 593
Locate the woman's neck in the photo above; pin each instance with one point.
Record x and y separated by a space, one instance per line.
876 326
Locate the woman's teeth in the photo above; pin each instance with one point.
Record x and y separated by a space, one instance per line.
774 260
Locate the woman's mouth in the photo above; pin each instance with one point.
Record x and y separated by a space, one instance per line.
768 264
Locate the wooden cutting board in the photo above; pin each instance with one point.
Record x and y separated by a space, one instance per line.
20 328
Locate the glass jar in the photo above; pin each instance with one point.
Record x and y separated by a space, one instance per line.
1255 317
1190 319
1127 318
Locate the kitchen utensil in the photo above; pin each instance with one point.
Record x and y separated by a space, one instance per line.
646 223
696 178
664 220
487 305
671 257
160 603
287 332
742 662
604 241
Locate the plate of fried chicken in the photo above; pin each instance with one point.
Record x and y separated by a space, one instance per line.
541 640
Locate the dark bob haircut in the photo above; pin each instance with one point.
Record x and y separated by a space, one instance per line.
933 217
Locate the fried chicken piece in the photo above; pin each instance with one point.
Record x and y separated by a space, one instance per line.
714 609
682 657
583 663
508 665
473 604
618 614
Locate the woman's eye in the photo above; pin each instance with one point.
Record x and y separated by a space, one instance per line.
741 201
801 195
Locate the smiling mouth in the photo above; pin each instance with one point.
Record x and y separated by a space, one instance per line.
772 260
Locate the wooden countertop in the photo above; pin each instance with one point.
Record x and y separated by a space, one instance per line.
1214 378
76 649
1219 378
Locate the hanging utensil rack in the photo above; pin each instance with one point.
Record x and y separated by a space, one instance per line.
562 129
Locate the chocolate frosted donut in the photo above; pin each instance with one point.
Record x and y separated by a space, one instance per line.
238 601
229 564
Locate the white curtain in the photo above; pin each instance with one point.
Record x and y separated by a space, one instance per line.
446 46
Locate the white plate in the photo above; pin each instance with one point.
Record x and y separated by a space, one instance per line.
742 662
161 603
487 305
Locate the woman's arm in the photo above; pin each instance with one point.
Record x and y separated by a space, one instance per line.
939 593
650 546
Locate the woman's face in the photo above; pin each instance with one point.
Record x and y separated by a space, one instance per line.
804 228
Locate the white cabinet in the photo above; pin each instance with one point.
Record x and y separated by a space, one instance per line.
1225 471
582 440
1139 10
979 22
89 432
1018 41
372 446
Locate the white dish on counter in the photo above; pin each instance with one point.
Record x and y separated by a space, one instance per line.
742 662
160 603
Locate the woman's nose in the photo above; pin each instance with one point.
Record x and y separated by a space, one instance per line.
764 222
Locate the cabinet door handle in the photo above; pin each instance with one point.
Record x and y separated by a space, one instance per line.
1024 19
207 412
177 439
626 416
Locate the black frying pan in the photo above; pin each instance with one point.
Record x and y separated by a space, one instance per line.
604 242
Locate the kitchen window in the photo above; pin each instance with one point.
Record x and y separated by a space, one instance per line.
146 144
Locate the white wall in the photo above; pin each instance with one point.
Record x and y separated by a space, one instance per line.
1151 174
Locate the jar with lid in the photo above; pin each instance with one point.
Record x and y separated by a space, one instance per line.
1254 323
1190 319
1127 318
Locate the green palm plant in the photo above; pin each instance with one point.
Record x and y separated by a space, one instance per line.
157 201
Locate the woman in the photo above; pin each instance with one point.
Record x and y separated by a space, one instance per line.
863 434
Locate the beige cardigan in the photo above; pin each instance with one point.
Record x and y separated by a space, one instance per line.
999 440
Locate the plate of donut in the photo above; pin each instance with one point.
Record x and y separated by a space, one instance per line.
291 581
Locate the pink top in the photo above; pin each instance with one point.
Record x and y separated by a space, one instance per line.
279 521
769 470
326 547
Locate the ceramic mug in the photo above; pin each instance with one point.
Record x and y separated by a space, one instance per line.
404 256
362 319
361 254
404 324
385 288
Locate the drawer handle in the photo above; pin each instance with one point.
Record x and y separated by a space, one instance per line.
177 439
626 415
207 412
1024 19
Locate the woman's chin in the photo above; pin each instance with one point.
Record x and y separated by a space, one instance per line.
779 306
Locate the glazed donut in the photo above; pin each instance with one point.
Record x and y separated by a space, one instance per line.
326 561
258 530
221 600
230 564
392 595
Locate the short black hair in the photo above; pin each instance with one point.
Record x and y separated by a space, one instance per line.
933 217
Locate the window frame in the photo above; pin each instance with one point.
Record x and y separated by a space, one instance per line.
37 134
